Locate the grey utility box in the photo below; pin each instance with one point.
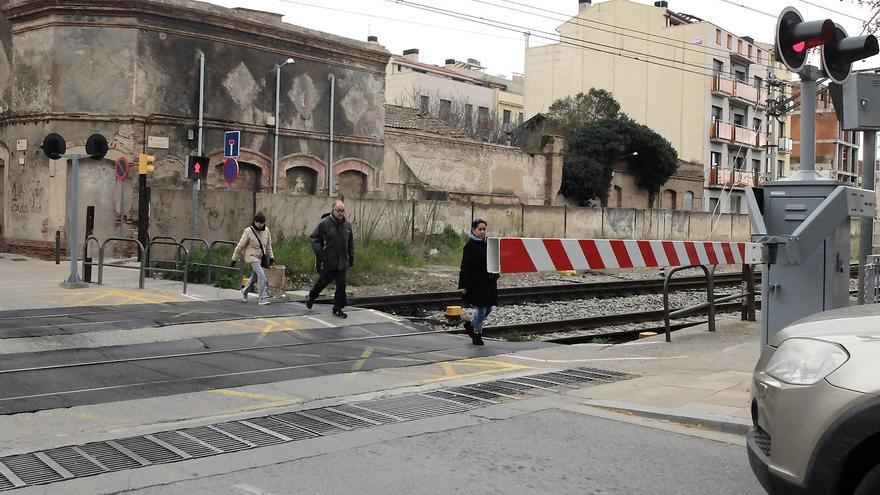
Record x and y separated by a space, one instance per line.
805 231
861 102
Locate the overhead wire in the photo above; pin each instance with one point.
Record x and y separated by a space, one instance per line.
568 20
710 72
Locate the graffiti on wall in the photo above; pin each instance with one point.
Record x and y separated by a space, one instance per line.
26 197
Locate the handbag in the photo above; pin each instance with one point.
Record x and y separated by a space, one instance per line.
264 259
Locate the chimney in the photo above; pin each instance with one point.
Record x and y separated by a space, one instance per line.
583 5
518 78
450 62
412 54
663 4
372 39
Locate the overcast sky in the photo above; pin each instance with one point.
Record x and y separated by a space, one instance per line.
439 36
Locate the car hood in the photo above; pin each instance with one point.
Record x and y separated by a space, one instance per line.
853 324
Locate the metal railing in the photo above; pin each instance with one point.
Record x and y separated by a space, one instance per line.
748 312
101 264
169 241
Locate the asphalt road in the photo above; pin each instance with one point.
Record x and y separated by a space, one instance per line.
546 452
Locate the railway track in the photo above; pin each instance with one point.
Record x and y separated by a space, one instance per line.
558 292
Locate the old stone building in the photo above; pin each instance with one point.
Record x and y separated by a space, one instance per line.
130 70
425 158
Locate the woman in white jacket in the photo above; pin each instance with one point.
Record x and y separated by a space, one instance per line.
256 247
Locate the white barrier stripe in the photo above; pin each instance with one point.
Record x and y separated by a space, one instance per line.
635 254
659 253
681 252
719 253
575 254
734 246
701 253
607 254
539 255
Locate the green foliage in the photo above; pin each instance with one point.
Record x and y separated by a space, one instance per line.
449 245
573 113
600 340
517 336
592 152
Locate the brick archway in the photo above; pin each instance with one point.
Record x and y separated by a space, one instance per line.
358 165
306 161
259 160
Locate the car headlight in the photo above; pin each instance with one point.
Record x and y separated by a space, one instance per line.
805 361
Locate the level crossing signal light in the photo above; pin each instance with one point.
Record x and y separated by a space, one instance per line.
145 163
198 167
794 37
839 54
53 146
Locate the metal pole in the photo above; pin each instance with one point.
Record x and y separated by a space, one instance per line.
866 240
198 183
808 122
277 109
121 213
143 208
73 232
330 162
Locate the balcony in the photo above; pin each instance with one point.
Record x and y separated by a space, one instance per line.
741 179
737 90
737 135
722 85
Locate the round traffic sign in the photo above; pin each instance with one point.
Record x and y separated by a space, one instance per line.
230 170
122 168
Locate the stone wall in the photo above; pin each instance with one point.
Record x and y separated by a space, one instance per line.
224 214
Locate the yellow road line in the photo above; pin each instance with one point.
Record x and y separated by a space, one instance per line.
360 362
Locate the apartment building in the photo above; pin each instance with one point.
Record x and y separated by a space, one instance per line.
837 151
700 86
461 93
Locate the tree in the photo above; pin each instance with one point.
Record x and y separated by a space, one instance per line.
599 144
873 23
572 113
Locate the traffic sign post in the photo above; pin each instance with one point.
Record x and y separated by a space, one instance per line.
230 170
122 169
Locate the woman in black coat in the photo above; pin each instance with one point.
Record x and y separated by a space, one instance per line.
478 287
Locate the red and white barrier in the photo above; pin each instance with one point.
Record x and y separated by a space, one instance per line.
518 255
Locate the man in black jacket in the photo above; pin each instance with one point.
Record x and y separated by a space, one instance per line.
333 243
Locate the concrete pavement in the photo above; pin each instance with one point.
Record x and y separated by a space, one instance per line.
697 385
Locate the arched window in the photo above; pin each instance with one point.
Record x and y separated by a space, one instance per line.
688 204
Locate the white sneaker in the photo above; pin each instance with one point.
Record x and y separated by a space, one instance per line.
263 302
244 295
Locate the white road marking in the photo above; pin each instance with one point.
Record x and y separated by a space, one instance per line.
194 298
593 359
251 489
322 322
384 315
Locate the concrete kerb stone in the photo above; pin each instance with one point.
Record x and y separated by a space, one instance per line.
717 422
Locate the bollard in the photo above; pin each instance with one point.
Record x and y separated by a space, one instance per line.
57 247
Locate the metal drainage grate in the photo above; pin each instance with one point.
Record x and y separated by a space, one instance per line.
62 463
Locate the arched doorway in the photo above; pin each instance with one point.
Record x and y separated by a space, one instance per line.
351 184
669 199
302 180
249 178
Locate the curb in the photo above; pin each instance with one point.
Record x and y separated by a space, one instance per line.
716 422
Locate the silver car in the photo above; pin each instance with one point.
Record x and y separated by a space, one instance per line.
815 406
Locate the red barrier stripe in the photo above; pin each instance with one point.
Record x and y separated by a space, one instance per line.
728 254
742 250
514 256
619 248
671 255
591 253
647 253
710 252
691 250
557 254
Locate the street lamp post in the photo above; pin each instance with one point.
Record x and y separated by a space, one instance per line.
277 119
634 153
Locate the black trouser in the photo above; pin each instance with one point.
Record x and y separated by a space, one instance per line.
324 278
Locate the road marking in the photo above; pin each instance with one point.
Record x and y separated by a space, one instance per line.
322 322
593 359
360 362
267 401
194 298
384 315
251 489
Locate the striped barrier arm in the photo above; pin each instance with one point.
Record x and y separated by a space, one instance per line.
521 255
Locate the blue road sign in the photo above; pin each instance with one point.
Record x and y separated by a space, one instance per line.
230 147
230 170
